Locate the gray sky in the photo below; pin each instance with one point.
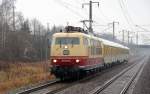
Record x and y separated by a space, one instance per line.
59 12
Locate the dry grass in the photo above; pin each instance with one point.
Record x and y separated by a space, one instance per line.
15 75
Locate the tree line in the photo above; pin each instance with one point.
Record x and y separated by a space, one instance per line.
20 38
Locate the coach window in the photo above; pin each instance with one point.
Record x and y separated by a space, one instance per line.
90 42
95 43
97 51
92 46
85 41
100 47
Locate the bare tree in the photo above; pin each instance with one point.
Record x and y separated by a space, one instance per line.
19 20
6 7
21 38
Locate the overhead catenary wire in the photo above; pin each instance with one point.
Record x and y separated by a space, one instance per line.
73 8
75 11
125 14
120 4
145 25
95 16
102 13
140 27
99 20
146 39
132 22
68 8
79 14
106 29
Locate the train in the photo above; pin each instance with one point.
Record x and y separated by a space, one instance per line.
76 53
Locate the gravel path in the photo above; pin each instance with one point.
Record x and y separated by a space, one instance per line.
143 84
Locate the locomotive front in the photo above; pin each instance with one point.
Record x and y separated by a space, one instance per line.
67 54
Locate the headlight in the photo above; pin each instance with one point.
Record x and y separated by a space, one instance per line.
77 61
54 60
66 47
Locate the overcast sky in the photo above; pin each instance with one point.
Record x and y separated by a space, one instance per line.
61 12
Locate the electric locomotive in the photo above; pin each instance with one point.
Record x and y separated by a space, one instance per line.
74 53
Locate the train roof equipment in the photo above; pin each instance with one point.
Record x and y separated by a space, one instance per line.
72 29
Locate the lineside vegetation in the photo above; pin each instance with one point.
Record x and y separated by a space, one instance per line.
16 75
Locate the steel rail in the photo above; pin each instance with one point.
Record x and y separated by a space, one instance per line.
124 90
84 79
74 83
109 82
60 89
27 91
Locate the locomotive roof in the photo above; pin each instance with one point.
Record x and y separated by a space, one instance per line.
106 42
61 34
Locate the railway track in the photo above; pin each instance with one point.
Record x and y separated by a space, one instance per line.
59 86
52 82
120 83
53 87
80 81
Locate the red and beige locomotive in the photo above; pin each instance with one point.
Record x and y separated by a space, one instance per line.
74 53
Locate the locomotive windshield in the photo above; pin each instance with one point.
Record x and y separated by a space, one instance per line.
67 40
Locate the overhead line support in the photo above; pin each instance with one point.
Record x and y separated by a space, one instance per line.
90 14
113 25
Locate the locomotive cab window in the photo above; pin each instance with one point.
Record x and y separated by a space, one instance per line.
67 40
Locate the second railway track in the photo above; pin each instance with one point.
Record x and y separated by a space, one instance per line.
120 83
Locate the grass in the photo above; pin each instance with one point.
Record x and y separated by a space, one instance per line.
15 75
